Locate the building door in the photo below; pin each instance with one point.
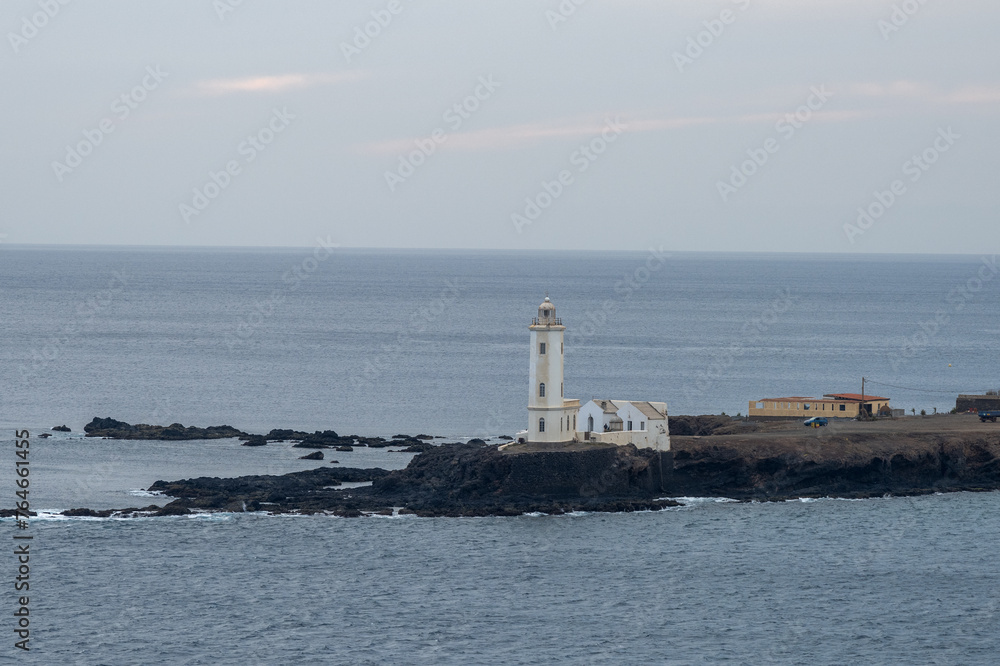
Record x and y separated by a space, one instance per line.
590 424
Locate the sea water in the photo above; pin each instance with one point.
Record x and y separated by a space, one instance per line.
377 343
380 342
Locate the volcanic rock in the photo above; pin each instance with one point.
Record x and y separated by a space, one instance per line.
113 429
711 424
416 447
375 442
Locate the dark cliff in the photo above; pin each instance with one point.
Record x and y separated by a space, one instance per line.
474 480
859 465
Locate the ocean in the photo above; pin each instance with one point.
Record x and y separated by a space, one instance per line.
384 342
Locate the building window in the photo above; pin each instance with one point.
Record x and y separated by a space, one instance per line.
629 425
806 405
560 424
642 425
541 390
843 408
541 425
561 348
560 389
541 348
574 422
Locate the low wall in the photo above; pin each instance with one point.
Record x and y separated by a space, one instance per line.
985 402
643 439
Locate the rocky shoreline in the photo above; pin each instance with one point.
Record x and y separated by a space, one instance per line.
744 462
110 428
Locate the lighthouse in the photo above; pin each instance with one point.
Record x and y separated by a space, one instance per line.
551 418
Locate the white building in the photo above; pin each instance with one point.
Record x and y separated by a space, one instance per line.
626 421
554 419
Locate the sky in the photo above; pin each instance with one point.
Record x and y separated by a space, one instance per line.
854 126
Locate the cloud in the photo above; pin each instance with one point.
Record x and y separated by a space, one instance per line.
924 92
854 99
516 136
275 83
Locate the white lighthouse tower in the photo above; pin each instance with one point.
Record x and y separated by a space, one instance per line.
551 418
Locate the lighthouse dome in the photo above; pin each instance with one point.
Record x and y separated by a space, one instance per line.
546 312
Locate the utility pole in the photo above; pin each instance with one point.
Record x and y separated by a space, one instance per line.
862 393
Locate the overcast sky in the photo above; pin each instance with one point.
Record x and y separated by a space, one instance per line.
628 123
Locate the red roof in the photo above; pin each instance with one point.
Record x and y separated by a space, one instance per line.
854 396
792 399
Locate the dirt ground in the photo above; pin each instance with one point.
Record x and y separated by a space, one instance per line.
775 436
844 438
933 424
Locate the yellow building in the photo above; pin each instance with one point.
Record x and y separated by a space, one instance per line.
831 405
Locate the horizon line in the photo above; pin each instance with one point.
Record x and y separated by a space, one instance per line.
564 251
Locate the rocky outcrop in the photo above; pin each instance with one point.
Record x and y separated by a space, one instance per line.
858 465
309 492
316 455
417 447
476 480
320 439
113 429
61 428
131 512
374 442
448 480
